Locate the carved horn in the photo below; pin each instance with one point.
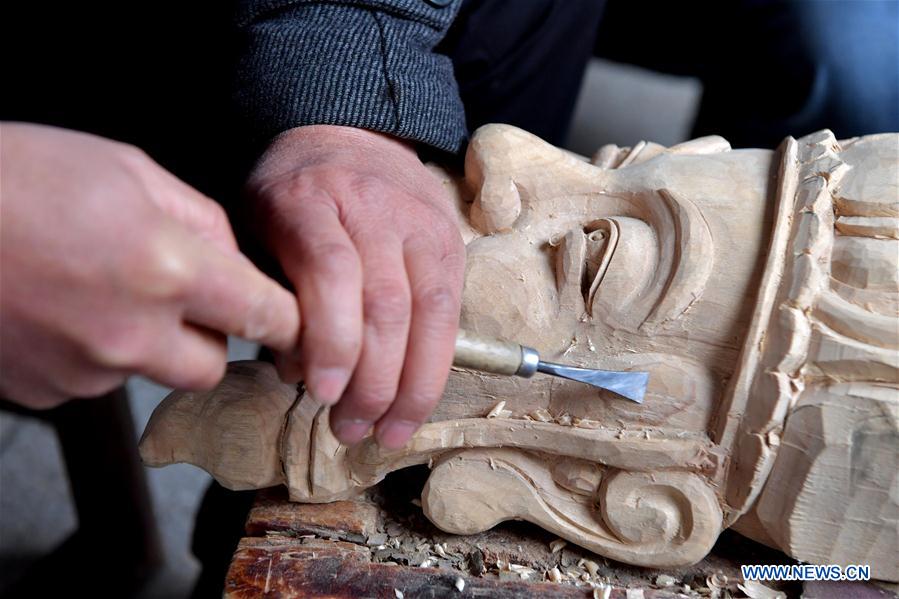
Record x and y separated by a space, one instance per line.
232 432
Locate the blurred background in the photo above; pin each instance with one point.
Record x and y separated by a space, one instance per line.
618 104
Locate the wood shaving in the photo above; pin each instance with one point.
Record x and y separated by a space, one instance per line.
554 575
494 412
524 572
665 580
602 591
716 581
592 567
440 549
756 590
541 415
556 546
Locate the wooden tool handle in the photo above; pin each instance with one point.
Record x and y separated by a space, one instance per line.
486 355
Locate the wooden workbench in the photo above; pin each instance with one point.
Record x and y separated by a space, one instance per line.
381 545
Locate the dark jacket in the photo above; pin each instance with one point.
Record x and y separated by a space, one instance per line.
361 63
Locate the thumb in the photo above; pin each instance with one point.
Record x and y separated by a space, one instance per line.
229 294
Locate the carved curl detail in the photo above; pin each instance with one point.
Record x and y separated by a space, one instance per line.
661 513
644 518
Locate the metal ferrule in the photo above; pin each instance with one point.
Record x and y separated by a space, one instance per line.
529 361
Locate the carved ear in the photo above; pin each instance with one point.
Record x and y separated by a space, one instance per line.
232 432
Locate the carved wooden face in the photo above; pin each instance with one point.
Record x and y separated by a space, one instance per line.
645 266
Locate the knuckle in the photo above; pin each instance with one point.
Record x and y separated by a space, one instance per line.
332 260
266 316
386 305
166 271
452 252
133 156
216 213
437 301
288 188
369 187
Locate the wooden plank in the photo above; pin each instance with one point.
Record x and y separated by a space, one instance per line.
292 568
352 520
369 546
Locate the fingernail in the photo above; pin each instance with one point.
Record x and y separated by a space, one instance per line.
327 384
350 432
396 434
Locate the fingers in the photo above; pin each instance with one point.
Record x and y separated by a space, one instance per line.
228 294
188 357
321 261
387 305
436 284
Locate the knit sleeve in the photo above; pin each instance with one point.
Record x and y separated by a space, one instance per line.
361 63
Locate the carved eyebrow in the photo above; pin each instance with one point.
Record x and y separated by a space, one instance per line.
688 252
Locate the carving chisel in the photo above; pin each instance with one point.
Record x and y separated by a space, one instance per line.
505 357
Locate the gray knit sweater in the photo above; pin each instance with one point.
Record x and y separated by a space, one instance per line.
361 63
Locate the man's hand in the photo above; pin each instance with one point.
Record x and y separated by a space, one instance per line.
110 265
368 238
